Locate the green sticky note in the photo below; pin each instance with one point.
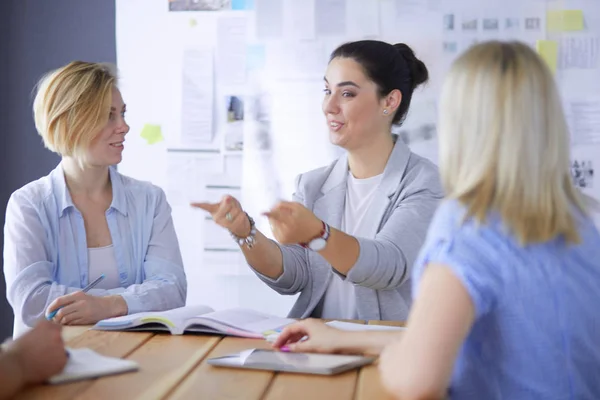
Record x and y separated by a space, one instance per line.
548 50
564 21
152 133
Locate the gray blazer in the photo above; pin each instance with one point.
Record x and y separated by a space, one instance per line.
401 211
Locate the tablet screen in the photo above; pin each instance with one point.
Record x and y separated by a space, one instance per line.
280 361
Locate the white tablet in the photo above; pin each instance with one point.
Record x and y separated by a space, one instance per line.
307 363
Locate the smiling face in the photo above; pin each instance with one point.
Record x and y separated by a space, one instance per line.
352 105
107 147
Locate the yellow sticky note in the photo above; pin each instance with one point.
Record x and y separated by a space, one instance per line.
548 50
152 133
564 21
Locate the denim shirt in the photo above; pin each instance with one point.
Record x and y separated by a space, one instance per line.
45 247
536 329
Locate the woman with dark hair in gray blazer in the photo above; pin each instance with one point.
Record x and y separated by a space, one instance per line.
349 239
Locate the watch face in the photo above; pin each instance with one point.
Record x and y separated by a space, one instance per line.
317 244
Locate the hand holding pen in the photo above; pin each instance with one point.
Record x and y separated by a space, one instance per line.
85 290
80 308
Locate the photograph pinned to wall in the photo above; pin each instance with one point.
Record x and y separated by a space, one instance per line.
449 22
490 24
469 24
450 48
512 24
532 24
582 172
234 129
199 5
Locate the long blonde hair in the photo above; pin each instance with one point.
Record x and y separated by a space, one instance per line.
72 105
504 143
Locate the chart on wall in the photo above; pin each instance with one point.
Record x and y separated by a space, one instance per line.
224 98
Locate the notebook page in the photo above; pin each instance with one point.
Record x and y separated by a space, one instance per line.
87 364
248 320
171 317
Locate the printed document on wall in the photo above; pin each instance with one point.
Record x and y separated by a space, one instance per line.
583 118
330 17
231 50
300 19
269 19
363 18
197 97
579 52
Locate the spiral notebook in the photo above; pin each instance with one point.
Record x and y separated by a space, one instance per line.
86 364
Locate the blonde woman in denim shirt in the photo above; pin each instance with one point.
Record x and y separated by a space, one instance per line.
85 219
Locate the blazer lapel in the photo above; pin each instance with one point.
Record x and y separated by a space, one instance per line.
330 206
379 209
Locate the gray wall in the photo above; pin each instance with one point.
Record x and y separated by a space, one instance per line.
35 37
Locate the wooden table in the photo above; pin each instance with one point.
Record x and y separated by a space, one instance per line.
174 367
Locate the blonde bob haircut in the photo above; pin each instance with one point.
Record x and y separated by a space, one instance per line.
504 143
72 105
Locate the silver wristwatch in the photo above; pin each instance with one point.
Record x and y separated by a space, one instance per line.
249 240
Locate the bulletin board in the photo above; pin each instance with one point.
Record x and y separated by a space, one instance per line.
224 97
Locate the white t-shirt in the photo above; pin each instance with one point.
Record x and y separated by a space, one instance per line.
102 260
339 301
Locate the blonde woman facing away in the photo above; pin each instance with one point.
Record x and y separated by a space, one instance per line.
506 285
85 219
348 241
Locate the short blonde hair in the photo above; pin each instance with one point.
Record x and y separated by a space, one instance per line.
72 105
504 143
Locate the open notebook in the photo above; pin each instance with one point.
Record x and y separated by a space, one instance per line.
87 364
234 322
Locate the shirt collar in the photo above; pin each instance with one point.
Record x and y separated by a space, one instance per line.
63 197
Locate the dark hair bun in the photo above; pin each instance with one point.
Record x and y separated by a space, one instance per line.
418 70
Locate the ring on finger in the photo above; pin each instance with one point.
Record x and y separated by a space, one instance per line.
229 217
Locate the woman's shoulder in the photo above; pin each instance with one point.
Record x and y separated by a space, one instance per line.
136 186
34 192
448 218
422 173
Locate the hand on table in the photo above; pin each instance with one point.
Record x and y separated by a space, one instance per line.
320 338
39 353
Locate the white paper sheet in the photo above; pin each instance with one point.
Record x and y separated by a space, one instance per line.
583 118
363 18
197 97
87 364
330 17
269 18
188 174
300 19
414 7
297 60
231 50
579 53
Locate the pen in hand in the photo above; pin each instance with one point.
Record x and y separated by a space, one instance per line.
84 290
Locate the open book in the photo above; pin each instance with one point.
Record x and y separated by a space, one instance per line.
234 322
87 364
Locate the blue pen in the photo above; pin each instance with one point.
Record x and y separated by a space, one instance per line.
85 289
